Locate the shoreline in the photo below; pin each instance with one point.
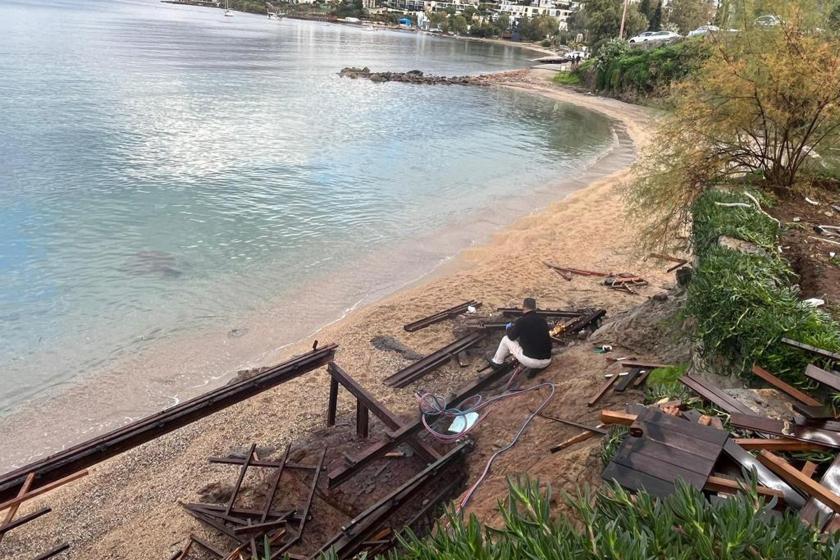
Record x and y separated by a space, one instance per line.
498 272
168 363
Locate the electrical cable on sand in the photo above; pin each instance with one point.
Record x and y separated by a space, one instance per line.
435 406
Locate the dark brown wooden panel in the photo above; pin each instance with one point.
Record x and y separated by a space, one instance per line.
813 349
696 431
657 468
625 381
635 480
793 431
671 455
715 395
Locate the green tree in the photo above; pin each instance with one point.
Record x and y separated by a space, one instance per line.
764 102
689 14
503 23
601 20
458 24
656 20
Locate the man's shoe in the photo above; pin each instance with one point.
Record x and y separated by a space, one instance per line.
494 365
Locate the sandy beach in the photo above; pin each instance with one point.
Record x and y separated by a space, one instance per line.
129 507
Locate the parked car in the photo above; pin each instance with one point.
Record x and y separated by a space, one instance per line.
704 30
768 21
648 36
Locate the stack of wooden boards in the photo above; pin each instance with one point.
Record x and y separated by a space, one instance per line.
663 448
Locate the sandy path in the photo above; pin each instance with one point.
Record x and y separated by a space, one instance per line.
128 507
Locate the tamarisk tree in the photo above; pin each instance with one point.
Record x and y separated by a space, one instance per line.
765 102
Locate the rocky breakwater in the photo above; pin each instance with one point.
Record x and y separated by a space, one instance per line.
414 77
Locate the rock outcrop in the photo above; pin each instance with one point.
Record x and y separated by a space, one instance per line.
412 77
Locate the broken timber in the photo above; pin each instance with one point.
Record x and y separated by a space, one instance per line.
433 361
113 443
833 356
775 427
366 401
789 390
356 533
815 512
825 377
441 316
795 477
407 431
716 396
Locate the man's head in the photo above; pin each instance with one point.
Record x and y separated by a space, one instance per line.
529 304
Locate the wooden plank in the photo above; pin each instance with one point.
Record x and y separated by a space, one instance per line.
789 390
626 380
637 481
765 476
634 363
815 414
694 431
43 489
574 424
658 469
812 349
602 391
778 444
722 484
573 440
23 520
27 484
680 440
809 468
49 554
715 395
641 378
248 458
332 403
362 422
825 377
671 455
793 476
815 512
786 429
616 417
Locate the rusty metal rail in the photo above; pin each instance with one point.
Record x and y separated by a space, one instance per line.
441 316
354 535
433 361
113 443
407 431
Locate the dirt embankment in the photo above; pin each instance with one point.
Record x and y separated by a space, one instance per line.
129 507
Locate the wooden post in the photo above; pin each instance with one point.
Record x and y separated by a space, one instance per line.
623 18
333 403
362 424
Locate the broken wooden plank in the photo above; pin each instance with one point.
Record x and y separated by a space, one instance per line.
809 468
641 378
778 444
433 361
795 477
715 395
573 424
825 377
626 380
789 390
815 512
602 391
43 489
833 356
573 440
722 484
636 363
787 429
765 476
815 414
616 417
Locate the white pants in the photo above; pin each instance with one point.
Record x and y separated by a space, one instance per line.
508 347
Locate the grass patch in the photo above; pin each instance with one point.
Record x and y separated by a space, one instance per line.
567 79
744 304
611 443
666 375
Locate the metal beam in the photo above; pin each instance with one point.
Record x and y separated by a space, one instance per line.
137 433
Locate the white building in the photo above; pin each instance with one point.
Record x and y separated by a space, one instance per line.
559 9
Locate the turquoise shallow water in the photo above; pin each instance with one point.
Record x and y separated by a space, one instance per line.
165 170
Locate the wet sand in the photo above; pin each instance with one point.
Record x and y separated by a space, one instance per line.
128 507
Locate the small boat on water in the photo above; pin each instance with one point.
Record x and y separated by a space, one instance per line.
228 11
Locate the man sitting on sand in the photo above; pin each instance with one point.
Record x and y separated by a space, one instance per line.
527 339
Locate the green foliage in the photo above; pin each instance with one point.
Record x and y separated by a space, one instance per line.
622 71
612 524
668 374
687 15
537 28
611 443
745 303
601 21
567 79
